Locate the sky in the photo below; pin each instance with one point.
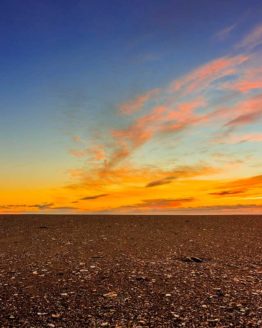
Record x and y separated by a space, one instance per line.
141 107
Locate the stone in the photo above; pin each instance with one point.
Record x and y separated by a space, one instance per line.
110 295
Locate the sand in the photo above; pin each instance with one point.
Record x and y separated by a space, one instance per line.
130 271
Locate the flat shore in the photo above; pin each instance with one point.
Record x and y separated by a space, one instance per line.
130 271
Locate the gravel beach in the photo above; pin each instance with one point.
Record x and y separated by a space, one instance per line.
130 271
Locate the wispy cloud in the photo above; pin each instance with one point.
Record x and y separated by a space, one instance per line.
238 187
246 112
227 192
41 206
160 182
136 104
202 77
93 197
252 39
160 203
222 95
183 172
229 137
225 32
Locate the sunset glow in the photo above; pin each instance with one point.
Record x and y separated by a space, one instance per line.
140 107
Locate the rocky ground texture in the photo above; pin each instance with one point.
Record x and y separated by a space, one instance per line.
130 271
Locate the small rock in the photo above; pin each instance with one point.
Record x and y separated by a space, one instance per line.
196 259
110 295
192 259
56 315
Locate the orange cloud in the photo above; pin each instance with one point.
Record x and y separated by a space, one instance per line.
78 153
161 119
135 135
137 103
94 153
98 153
251 182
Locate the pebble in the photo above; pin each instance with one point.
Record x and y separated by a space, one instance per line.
110 295
56 315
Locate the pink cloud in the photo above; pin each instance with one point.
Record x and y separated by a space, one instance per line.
245 86
248 111
205 75
249 79
253 39
250 137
